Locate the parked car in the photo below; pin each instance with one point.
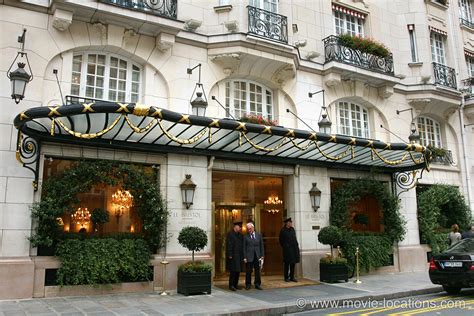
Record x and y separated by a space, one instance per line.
454 268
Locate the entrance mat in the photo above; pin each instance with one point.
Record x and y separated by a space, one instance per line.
268 282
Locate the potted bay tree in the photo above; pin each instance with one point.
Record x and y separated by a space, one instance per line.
194 277
332 267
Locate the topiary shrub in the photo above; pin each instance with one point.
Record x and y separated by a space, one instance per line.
439 207
330 235
99 216
192 238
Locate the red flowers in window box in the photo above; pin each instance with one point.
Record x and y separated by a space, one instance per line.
258 119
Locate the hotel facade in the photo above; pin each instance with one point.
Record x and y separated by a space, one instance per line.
118 80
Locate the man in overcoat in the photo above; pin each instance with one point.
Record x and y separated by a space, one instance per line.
253 256
234 254
291 250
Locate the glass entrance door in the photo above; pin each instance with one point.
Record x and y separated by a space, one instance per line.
248 198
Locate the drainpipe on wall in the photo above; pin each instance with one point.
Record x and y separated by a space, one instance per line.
465 157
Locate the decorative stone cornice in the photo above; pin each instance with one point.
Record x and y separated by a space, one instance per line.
165 41
62 19
229 62
284 73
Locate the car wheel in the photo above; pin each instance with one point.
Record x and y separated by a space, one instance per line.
452 289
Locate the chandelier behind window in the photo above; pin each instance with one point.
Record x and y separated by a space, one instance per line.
273 202
81 216
122 200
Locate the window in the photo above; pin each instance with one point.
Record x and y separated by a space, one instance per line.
411 33
465 10
348 24
353 119
269 5
112 199
437 48
105 76
430 132
470 66
246 97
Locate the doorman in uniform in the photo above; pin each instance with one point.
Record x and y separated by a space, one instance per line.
234 254
291 250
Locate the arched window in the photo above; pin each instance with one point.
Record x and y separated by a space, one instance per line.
352 119
105 76
247 97
430 132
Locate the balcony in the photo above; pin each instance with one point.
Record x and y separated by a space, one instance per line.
335 50
444 75
442 156
467 23
268 25
163 8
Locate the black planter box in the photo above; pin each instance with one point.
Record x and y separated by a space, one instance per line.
333 272
194 282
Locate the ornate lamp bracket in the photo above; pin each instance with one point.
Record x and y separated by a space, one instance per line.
28 153
407 180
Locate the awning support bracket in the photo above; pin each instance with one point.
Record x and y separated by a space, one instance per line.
28 153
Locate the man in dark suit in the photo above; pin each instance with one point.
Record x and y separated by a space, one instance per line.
469 233
235 254
291 250
253 256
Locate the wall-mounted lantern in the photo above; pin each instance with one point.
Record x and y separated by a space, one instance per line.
324 122
315 196
199 104
187 189
20 77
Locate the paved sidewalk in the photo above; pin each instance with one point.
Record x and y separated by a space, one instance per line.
272 301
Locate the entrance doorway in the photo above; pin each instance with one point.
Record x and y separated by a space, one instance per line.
248 198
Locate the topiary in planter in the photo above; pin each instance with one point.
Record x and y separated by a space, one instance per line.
330 235
194 277
332 268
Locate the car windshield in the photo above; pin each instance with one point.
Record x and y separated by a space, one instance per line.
465 245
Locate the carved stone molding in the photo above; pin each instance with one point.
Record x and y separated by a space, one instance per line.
283 74
232 26
229 62
127 36
165 41
469 112
62 19
332 79
385 91
419 104
102 28
192 24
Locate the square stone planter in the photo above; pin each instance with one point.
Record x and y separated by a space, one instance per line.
333 272
194 282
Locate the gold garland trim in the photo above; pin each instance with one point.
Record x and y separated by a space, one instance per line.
89 136
390 162
137 129
338 157
183 141
302 148
417 161
267 149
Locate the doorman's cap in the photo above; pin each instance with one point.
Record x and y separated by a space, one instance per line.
288 220
238 223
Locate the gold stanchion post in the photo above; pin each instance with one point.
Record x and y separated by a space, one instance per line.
357 266
164 263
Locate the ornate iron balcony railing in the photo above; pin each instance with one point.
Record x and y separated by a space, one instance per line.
268 24
163 8
445 159
467 23
444 75
468 87
334 50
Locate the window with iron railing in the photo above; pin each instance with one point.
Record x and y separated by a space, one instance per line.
163 8
264 20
